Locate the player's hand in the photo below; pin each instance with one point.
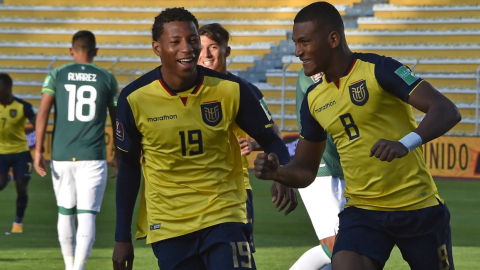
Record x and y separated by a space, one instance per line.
245 146
282 196
266 166
114 164
386 150
123 256
39 164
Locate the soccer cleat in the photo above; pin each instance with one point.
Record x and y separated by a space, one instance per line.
17 228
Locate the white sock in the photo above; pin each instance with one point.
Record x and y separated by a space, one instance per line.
85 239
66 233
314 259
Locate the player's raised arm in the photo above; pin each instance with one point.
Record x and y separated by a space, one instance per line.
441 113
128 182
302 169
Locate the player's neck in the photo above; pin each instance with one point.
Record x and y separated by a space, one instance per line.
83 60
340 66
7 100
175 82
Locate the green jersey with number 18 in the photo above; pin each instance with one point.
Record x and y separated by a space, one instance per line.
82 94
330 164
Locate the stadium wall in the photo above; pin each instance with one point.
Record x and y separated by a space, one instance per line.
447 156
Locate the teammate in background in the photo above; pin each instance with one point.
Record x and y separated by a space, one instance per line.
81 92
363 101
215 50
14 151
324 197
182 118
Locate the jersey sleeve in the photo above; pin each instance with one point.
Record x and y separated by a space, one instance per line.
396 78
311 130
28 111
300 95
112 101
255 119
127 133
49 83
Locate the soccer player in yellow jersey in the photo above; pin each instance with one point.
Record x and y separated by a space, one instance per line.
215 50
14 150
182 117
363 101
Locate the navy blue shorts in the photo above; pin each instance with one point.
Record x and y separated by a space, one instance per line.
423 236
21 163
220 247
250 219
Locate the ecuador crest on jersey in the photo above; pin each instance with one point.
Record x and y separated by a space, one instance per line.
212 113
358 92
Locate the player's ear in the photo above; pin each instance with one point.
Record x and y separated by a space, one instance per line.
156 48
95 52
228 51
334 39
72 51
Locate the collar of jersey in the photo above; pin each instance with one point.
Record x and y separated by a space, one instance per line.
172 92
350 67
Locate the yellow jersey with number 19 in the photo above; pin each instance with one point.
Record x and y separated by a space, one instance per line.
367 104
191 157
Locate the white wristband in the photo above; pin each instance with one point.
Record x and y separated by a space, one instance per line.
412 140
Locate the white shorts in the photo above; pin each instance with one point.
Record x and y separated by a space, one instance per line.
79 184
324 200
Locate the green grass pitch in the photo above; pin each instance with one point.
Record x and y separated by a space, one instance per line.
279 239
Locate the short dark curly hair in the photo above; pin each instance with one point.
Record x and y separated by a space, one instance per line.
178 14
216 32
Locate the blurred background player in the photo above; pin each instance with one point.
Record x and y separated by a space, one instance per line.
364 102
215 50
182 117
81 92
323 198
14 150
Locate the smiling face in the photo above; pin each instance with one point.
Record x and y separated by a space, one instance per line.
312 47
178 48
213 55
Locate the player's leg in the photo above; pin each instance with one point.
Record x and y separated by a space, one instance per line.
250 219
362 242
323 200
22 169
90 181
4 168
425 238
179 253
65 193
225 247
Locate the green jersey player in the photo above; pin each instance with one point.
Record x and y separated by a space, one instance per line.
81 92
324 197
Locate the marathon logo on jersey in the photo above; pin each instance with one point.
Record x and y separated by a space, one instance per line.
84 77
359 92
120 133
212 112
154 227
13 113
406 74
161 118
326 106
